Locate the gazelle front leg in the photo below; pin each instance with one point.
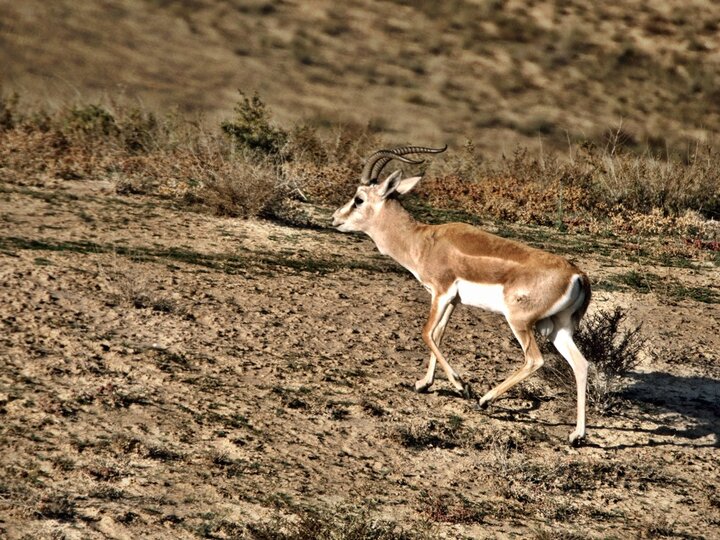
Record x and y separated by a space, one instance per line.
426 382
440 306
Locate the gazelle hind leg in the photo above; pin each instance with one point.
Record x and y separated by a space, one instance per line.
533 361
426 382
563 341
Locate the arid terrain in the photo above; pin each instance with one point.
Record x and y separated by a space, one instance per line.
170 374
189 350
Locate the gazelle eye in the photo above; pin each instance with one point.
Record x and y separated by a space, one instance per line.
358 201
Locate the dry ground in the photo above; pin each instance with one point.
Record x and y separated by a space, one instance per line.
167 374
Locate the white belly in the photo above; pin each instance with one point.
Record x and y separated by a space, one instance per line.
481 295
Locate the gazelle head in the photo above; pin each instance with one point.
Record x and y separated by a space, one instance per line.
371 195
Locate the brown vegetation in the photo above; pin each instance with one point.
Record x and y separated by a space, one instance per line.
250 166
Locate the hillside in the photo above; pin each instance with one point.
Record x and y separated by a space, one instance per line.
501 73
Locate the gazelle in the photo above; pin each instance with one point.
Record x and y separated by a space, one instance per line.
459 263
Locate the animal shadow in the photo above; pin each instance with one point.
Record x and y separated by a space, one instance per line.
696 399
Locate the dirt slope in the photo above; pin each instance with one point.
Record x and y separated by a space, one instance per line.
170 374
500 72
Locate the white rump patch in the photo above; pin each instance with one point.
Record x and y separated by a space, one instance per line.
573 297
489 297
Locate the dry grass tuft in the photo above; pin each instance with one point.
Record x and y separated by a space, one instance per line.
348 524
433 433
630 193
449 508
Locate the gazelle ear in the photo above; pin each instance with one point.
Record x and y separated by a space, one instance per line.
390 184
395 182
406 184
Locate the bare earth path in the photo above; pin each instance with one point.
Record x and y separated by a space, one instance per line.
168 374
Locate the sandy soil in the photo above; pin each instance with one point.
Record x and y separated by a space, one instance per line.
168 374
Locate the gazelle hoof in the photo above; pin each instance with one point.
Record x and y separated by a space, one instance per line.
483 404
421 387
576 440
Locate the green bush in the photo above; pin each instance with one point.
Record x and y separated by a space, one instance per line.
251 128
92 120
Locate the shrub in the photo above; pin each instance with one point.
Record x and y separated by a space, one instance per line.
448 508
8 111
432 433
520 188
612 353
644 182
239 189
251 128
304 144
60 507
251 164
91 120
316 525
592 184
612 350
139 131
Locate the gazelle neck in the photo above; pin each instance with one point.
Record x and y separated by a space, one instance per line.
396 234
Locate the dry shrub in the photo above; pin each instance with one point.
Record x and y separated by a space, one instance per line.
8 110
349 144
689 224
595 189
659 527
645 182
127 287
305 145
326 169
329 184
35 156
506 198
450 508
139 151
251 165
347 524
238 188
433 433
76 142
612 350
519 189
56 506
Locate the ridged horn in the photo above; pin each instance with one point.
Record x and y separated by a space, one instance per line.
377 161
